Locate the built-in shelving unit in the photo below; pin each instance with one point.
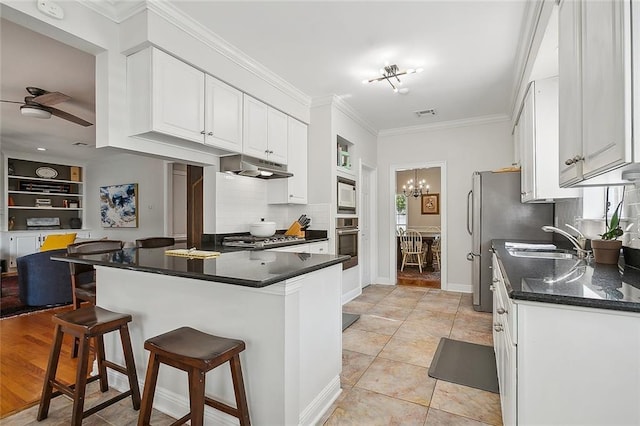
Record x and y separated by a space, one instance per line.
41 191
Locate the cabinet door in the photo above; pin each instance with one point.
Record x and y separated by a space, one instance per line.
319 248
527 136
178 98
254 137
570 92
23 244
297 153
223 122
606 108
277 139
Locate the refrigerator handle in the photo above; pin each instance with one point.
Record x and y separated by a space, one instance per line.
469 205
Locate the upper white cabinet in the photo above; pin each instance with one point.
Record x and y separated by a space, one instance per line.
292 190
265 131
536 135
596 96
170 100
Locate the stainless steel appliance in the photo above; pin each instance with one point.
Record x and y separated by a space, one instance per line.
249 241
346 196
494 211
347 240
245 165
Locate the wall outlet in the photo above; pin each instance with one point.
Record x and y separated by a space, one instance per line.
50 8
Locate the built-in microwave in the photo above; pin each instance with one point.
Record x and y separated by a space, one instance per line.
346 196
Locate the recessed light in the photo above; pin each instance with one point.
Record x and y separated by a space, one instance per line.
41 149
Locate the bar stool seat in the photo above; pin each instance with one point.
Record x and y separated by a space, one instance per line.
196 353
86 323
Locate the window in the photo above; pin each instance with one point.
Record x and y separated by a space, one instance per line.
401 213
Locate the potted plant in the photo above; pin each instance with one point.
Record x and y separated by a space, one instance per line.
607 249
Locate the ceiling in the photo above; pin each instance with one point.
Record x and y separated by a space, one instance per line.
468 50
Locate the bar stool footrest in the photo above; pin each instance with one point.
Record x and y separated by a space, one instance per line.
232 411
106 403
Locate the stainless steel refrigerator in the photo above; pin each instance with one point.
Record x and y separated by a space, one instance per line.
494 211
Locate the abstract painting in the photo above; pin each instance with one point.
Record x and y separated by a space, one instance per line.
119 206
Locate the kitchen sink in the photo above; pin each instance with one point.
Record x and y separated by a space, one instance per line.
542 254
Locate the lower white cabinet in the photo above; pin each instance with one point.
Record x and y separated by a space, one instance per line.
561 364
321 247
24 243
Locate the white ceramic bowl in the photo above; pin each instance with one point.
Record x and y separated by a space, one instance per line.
262 229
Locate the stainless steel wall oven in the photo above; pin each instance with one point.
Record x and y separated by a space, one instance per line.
347 240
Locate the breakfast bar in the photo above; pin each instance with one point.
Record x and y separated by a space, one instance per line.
286 307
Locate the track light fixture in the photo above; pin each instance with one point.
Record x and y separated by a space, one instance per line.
391 74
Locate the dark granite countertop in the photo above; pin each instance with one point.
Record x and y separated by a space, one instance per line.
258 268
570 281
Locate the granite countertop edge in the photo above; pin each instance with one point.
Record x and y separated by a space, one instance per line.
499 249
208 277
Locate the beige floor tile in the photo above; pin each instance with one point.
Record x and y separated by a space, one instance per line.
398 380
442 418
473 322
400 301
481 338
363 407
425 315
416 352
364 342
392 312
354 365
438 304
357 307
378 288
468 402
410 290
377 324
436 327
435 292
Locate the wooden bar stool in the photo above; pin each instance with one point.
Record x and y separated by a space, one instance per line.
196 353
85 323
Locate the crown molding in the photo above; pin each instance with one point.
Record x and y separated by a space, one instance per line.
115 10
342 106
474 121
192 27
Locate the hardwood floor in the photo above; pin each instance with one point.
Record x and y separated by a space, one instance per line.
24 352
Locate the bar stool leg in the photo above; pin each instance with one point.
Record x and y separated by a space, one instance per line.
144 417
81 381
238 389
52 368
130 365
196 396
102 368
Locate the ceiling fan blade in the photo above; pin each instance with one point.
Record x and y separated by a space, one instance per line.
68 117
11 102
51 98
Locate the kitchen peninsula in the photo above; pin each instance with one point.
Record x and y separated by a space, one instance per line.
285 306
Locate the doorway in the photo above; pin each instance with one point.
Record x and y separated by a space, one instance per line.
418 205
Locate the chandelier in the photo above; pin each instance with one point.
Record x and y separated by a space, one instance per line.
391 74
414 187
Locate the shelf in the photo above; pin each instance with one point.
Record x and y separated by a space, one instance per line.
45 180
44 208
57 194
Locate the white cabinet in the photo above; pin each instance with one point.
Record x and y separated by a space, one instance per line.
264 131
171 101
319 248
21 244
596 81
537 135
223 124
292 190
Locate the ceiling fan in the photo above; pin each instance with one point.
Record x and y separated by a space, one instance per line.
38 105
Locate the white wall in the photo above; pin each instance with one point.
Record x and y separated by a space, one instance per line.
465 149
148 173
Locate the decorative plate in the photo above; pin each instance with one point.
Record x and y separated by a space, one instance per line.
46 172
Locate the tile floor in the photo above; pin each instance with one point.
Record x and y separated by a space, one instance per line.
386 357
387 353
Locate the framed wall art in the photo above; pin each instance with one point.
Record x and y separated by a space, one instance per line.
431 204
119 206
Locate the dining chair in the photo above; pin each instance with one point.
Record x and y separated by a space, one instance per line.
83 283
411 246
435 250
154 242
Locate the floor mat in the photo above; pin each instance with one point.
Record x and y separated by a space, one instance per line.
465 363
348 319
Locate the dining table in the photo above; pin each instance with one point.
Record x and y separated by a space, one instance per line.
428 237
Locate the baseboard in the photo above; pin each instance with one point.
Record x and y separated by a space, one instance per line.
461 288
384 280
350 295
314 411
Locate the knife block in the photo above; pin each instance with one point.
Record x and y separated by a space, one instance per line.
295 230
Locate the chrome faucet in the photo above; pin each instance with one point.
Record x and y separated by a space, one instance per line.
578 242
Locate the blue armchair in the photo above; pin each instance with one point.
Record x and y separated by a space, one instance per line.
42 281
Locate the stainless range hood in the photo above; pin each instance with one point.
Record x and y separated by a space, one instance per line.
245 165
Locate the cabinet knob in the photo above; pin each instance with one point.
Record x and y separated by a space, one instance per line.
497 327
202 132
270 152
290 195
321 249
266 151
492 287
501 311
210 133
574 160
495 280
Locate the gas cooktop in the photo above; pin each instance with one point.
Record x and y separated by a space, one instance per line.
250 241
